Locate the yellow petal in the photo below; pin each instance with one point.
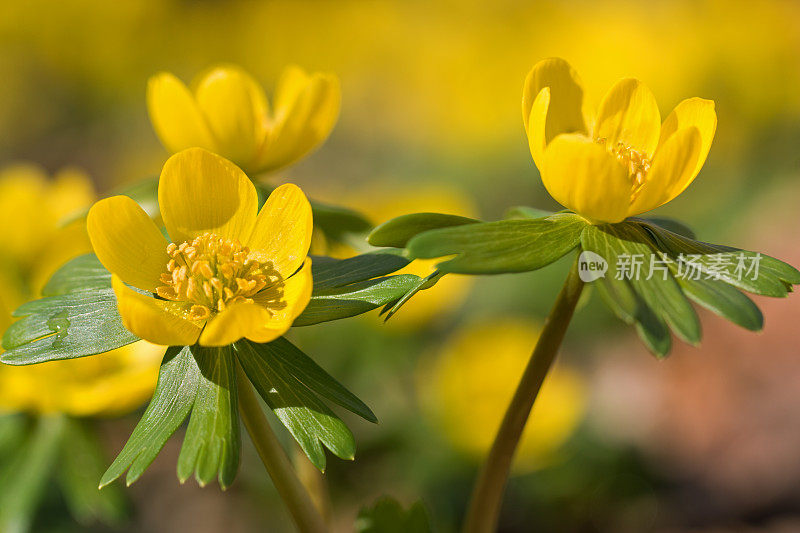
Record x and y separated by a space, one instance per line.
175 116
127 242
154 320
672 171
565 112
629 115
306 109
234 323
283 306
537 140
695 112
236 110
581 175
200 192
283 229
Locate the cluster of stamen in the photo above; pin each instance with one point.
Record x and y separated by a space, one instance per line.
637 163
212 273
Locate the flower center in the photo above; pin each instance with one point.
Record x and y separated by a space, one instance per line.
636 162
212 273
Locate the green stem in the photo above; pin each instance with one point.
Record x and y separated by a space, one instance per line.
487 495
305 514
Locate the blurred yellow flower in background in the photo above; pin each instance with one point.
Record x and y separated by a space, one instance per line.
227 113
36 238
467 388
232 271
624 162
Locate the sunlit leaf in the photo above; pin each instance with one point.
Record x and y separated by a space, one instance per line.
398 231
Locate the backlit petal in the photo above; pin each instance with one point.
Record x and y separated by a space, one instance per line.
296 295
537 140
234 323
306 109
629 114
127 242
154 320
236 110
282 232
672 171
175 116
581 175
695 112
565 112
201 192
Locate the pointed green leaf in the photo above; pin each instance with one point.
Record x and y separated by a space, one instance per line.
725 301
304 369
81 463
396 233
310 421
67 326
329 272
354 299
78 317
212 442
421 284
661 292
500 247
178 381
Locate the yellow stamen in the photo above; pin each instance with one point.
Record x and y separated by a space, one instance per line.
212 273
636 162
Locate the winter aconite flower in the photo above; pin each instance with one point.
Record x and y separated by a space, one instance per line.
231 271
623 162
227 113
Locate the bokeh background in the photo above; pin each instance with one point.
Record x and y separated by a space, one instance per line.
706 441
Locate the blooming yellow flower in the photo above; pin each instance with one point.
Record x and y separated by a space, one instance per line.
228 114
230 272
624 162
35 240
468 386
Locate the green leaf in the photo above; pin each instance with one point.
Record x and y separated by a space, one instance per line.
626 303
329 272
354 299
720 263
23 480
307 418
304 369
67 326
502 246
81 463
386 515
174 397
336 222
675 226
84 272
661 292
398 231
422 283
77 317
212 442
523 211
725 301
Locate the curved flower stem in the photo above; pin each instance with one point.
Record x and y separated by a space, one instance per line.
487 495
294 495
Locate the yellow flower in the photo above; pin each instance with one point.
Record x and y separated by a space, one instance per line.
467 388
228 114
624 162
34 242
230 272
